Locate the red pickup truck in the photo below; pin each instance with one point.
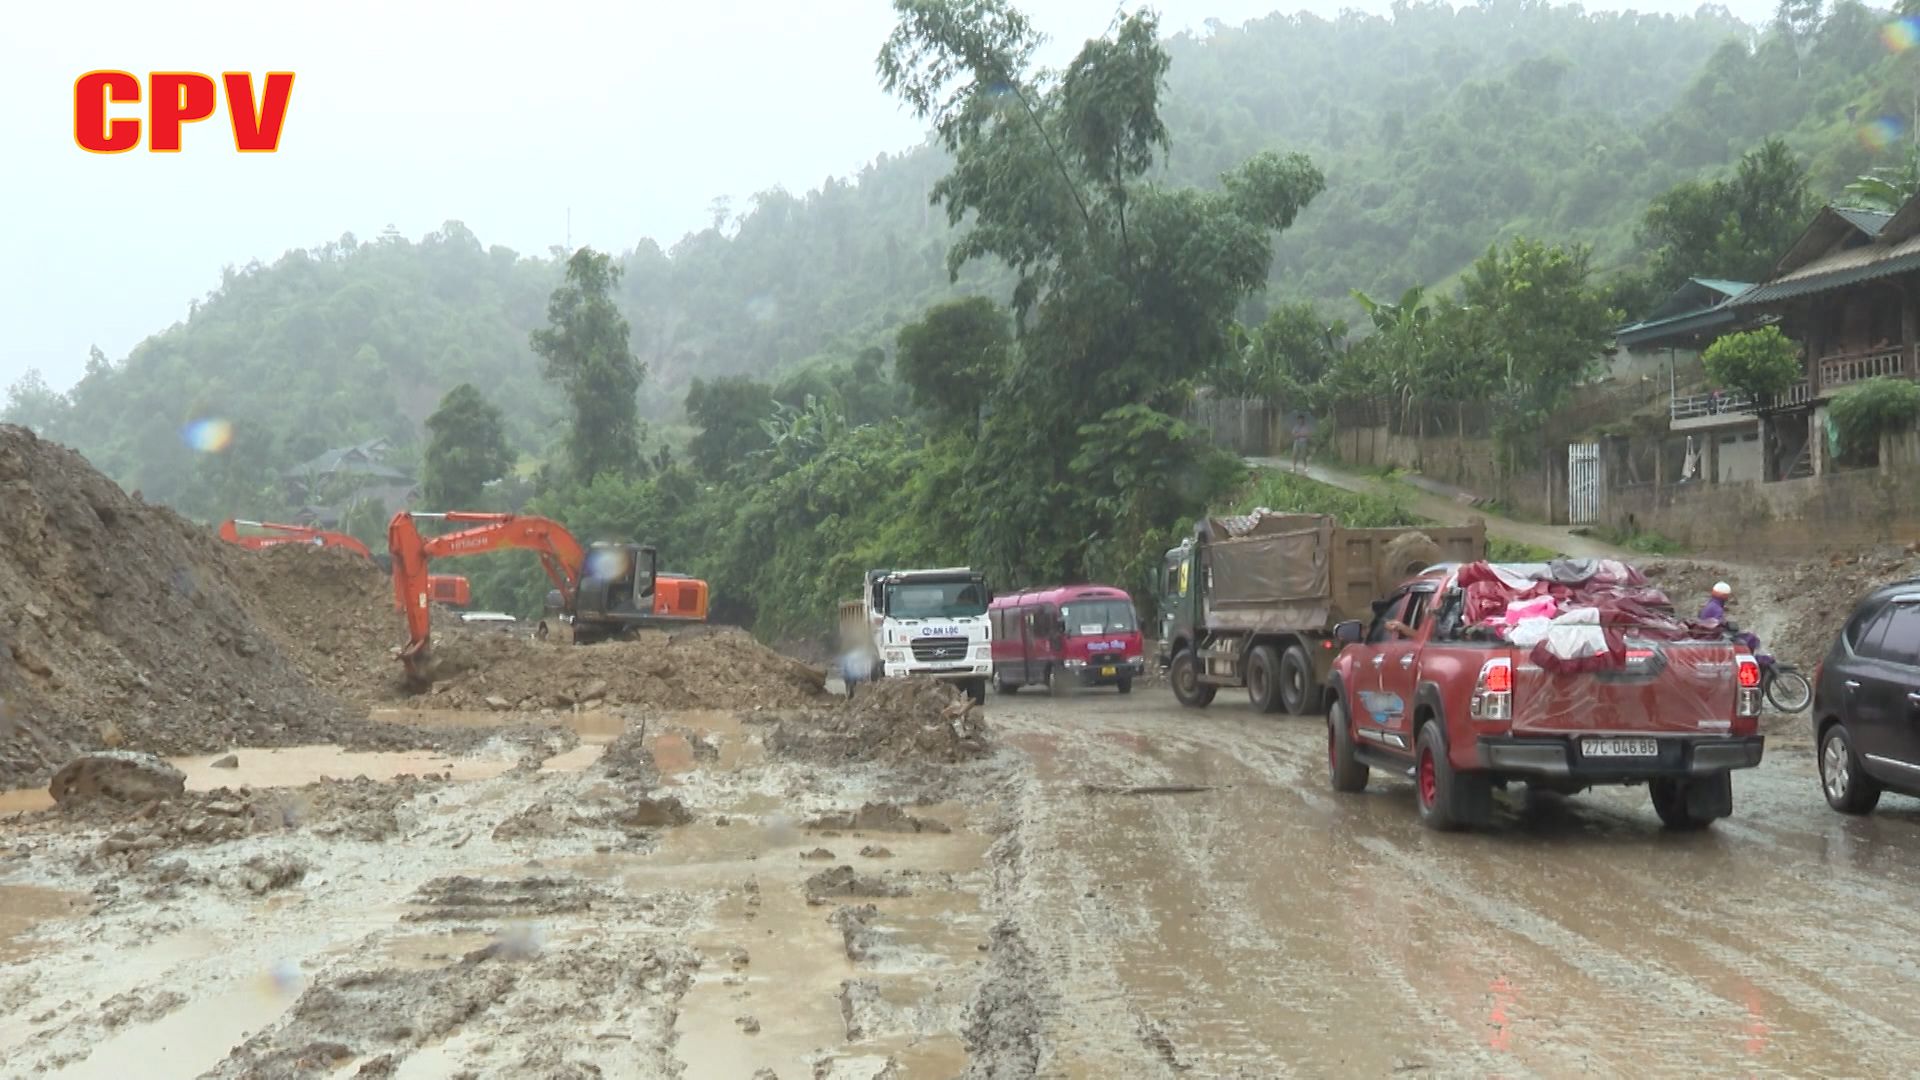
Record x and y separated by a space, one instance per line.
1621 691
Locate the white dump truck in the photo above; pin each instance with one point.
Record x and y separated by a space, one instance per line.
919 622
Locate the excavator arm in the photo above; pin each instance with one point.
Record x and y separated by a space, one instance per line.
561 556
288 534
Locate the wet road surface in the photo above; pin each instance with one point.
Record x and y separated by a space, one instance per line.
1270 926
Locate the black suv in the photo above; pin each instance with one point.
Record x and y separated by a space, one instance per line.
1866 702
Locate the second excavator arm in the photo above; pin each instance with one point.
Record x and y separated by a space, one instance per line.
561 556
288 534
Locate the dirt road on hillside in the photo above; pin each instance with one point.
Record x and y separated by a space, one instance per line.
1125 888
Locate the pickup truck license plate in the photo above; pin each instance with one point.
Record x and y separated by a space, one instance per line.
1108 670
1619 748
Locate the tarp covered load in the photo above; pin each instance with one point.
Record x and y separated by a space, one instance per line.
1269 558
1573 614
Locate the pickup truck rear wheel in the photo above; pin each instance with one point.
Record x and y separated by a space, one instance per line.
1263 679
1448 800
1346 772
1298 692
1185 677
1688 805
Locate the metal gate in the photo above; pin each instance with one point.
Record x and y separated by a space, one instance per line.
1583 483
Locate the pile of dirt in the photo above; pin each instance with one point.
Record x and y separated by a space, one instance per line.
1795 607
330 610
1817 596
893 720
121 625
721 668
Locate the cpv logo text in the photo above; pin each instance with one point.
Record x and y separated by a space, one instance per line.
175 99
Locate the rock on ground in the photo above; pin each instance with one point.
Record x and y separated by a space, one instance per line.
121 775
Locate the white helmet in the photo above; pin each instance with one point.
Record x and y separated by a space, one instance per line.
1722 590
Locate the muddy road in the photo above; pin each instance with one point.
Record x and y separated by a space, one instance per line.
1269 926
1124 888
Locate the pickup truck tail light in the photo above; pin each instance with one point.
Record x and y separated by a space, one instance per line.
1747 695
1493 691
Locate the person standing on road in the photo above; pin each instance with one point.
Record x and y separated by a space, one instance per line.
1302 438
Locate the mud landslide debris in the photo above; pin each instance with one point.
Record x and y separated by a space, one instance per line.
916 720
822 887
718 668
878 817
125 625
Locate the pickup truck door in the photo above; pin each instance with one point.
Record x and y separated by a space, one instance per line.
1397 659
1381 709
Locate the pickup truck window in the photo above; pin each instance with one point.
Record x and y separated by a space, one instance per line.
1394 608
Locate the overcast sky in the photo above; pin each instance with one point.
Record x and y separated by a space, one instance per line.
500 115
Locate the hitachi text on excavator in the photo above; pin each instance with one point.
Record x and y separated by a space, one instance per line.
605 589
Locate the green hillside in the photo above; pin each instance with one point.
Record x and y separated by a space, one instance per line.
1439 133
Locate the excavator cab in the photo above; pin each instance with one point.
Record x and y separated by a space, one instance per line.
617 583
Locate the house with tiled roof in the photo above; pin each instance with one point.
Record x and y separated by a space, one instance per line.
1848 291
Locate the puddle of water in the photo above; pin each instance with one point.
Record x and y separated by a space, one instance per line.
22 907
297 765
592 725
191 1039
791 986
24 800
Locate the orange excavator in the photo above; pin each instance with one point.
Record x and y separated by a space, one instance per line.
449 589
605 589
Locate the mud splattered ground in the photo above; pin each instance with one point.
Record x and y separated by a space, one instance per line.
1125 888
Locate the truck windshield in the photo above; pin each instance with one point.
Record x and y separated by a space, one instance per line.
936 600
1098 617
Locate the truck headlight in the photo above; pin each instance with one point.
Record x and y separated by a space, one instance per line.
895 656
983 652
1133 659
1076 663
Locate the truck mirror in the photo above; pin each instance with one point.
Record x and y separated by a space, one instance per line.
1348 633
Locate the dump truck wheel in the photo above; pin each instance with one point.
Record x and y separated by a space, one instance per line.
1263 679
1298 692
1184 674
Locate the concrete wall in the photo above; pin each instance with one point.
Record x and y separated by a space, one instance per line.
1471 463
1807 517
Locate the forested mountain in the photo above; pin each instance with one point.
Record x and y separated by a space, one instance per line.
1439 133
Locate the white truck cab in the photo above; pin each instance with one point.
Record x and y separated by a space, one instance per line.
929 622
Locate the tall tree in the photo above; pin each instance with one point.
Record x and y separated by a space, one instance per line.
1125 289
729 411
589 352
466 449
1546 327
1736 227
954 357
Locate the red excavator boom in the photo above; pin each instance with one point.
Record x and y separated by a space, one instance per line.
560 555
288 534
